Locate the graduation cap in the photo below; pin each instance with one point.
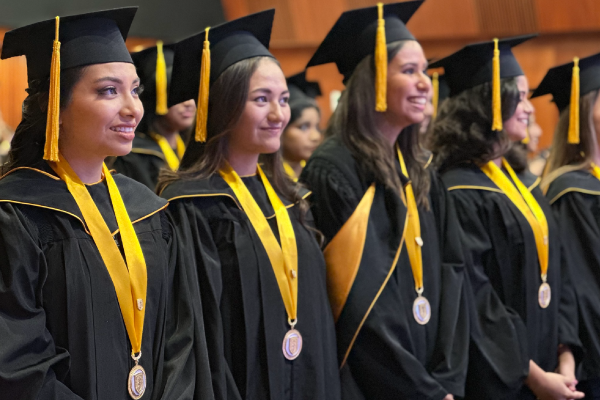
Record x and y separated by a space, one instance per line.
567 83
298 84
483 62
74 41
362 32
154 66
202 58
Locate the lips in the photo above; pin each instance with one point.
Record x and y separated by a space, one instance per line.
123 129
418 100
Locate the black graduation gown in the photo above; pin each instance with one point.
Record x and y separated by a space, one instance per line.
61 329
575 200
508 327
143 163
244 312
384 352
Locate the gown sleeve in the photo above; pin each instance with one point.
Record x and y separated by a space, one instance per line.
334 198
199 256
28 354
449 365
580 234
186 371
498 356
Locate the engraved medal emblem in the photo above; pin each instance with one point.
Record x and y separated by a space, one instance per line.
421 310
544 295
137 382
292 344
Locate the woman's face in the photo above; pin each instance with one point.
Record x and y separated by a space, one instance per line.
408 86
302 136
516 126
103 112
535 133
180 116
266 113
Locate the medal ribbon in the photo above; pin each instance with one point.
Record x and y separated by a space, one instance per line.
414 242
284 258
171 158
595 171
130 280
527 204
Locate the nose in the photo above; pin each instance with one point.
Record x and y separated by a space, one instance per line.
275 112
424 83
132 108
527 106
189 103
315 135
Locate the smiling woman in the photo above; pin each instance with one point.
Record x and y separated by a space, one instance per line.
399 309
246 225
93 302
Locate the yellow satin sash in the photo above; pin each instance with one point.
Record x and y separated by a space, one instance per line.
130 280
171 158
527 204
595 170
284 258
414 242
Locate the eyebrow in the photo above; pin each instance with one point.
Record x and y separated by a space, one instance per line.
269 91
113 79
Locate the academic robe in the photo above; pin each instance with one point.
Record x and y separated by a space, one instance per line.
383 352
244 312
508 326
143 163
62 335
575 200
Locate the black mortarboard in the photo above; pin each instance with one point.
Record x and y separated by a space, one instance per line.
298 84
220 47
86 39
148 63
353 36
558 80
230 42
473 64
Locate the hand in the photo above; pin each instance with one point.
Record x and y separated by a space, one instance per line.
566 366
449 397
550 386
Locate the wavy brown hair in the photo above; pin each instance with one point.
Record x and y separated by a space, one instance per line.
27 146
565 157
462 132
354 121
227 100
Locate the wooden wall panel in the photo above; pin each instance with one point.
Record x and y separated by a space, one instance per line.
568 16
506 17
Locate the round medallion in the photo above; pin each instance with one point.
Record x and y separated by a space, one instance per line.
421 310
292 344
137 382
544 295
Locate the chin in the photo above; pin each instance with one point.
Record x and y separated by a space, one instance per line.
119 151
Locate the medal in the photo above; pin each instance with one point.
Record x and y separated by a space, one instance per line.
421 310
421 307
531 210
137 379
544 294
292 344
284 258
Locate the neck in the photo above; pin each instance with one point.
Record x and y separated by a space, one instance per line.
88 169
296 166
168 133
389 131
243 163
498 161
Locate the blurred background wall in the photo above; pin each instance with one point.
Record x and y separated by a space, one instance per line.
567 29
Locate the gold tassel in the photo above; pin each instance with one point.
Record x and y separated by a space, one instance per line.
52 127
435 82
202 113
496 96
381 62
574 111
161 80
526 140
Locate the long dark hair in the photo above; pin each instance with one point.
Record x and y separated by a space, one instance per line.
565 157
354 121
227 101
462 132
27 146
